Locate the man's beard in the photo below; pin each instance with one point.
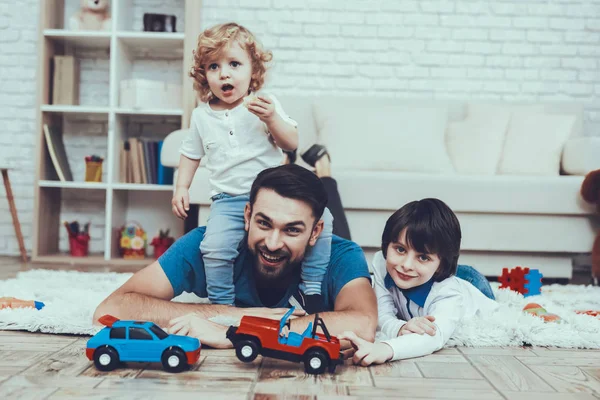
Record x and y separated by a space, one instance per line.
275 275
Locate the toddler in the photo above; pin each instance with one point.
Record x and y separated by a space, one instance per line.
240 131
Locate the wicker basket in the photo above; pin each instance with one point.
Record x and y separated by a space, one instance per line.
132 241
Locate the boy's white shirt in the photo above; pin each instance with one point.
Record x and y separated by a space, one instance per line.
236 144
449 301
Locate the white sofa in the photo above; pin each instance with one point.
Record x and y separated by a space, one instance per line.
511 172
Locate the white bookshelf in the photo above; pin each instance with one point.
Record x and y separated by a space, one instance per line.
131 54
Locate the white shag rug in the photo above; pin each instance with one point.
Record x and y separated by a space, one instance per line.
70 298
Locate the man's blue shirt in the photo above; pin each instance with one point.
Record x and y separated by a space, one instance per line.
184 267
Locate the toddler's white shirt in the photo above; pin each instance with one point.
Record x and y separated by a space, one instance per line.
450 302
236 143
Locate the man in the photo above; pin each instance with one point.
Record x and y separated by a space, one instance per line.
281 220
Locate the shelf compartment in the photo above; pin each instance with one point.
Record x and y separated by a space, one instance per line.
172 40
67 259
152 112
142 187
73 185
82 39
75 109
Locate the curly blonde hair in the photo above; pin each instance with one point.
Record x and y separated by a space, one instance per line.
213 41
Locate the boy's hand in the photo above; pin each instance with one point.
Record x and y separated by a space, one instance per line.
181 202
419 325
262 107
367 353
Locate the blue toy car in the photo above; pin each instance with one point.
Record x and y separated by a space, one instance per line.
137 341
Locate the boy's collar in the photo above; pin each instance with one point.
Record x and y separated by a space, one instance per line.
417 294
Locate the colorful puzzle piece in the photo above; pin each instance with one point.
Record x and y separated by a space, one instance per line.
534 283
523 280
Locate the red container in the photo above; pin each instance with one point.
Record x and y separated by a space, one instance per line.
161 245
159 250
79 245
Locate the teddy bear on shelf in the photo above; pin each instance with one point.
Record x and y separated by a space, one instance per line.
590 191
93 16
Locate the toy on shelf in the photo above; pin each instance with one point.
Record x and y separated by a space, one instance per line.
256 335
138 341
539 311
12 302
526 281
79 239
93 16
162 242
93 168
132 241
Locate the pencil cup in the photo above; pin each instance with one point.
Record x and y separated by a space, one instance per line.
79 245
93 171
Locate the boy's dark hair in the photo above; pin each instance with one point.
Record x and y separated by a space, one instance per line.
432 228
294 182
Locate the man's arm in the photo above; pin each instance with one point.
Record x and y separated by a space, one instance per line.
355 310
147 295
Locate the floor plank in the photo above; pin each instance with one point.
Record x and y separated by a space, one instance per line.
101 394
402 368
567 361
565 353
298 388
443 370
507 373
21 358
25 393
547 396
71 361
41 382
427 388
568 379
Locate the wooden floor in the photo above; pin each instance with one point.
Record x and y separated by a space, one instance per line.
42 366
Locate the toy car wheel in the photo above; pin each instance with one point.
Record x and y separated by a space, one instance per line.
315 361
106 358
174 360
246 350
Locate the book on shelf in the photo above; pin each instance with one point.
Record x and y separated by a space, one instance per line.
58 154
65 80
140 163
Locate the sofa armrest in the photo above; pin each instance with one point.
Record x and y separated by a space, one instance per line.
581 155
169 156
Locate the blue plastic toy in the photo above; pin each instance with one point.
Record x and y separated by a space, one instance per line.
137 341
533 283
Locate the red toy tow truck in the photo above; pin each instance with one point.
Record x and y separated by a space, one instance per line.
257 335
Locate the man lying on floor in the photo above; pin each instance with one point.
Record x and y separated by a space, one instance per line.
281 223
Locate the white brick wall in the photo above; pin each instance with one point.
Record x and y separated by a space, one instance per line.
525 50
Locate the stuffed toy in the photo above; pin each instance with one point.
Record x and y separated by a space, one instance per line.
590 191
93 16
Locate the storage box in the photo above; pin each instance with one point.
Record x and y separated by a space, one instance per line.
65 80
145 93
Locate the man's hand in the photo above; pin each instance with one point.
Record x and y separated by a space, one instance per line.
368 353
419 325
208 332
262 107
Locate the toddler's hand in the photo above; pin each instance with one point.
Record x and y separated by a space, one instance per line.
181 202
419 325
262 107
367 353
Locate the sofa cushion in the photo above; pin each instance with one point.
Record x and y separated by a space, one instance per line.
475 144
534 143
472 194
383 135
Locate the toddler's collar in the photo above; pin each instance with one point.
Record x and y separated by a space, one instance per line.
417 294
